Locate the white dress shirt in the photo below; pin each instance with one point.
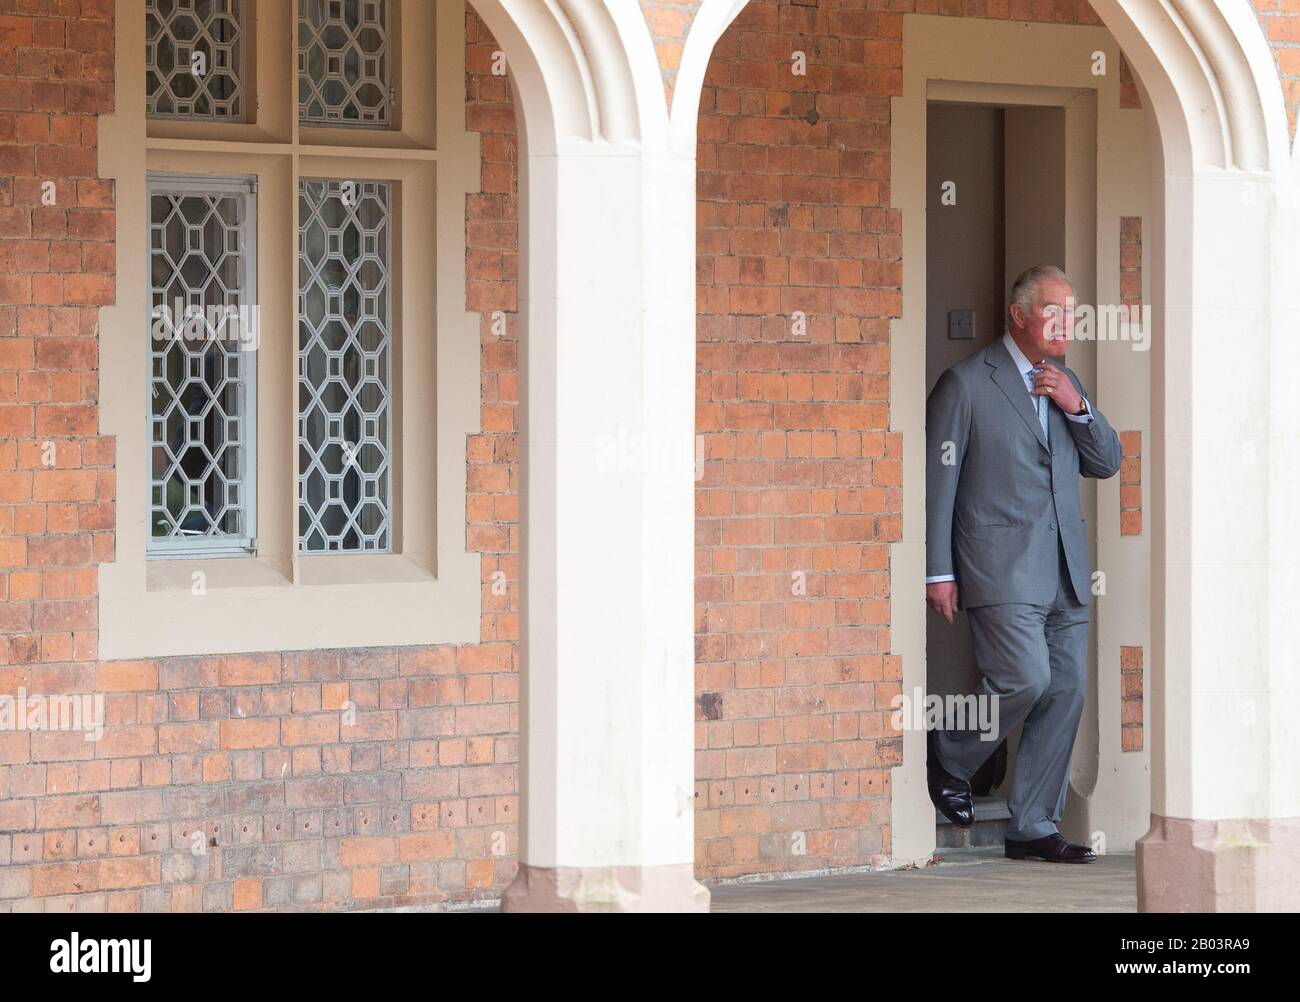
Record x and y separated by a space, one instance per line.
1026 368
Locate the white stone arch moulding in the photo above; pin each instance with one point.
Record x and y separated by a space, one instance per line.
587 71
1207 67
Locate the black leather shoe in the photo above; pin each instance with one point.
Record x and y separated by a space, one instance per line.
950 795
1052 848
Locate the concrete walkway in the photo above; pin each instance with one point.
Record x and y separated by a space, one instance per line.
965 880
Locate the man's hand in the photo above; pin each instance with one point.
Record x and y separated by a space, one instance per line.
1049 381
942 598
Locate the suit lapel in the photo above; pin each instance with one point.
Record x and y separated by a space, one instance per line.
1012 384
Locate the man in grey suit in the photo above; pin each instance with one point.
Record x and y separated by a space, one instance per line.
1009 430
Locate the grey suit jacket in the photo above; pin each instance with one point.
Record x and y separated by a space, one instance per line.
997 498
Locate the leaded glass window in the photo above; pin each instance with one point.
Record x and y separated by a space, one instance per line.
194 57
344 366
343 62
202 336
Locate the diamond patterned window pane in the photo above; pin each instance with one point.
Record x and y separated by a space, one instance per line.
343 62
194 58
344 367
200 243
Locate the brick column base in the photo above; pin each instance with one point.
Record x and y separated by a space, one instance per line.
1235 865
605 889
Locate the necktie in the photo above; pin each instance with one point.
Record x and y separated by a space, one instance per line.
1040 405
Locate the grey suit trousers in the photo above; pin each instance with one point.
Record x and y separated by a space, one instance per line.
1033 659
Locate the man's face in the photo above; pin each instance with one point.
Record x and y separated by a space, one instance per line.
1049 325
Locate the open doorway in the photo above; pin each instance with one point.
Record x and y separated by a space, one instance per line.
1014 74
995 205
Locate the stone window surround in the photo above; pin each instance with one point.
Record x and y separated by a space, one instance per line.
428 591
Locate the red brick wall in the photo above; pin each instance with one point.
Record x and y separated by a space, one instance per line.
56 474
1128 90
56 267
1130 484
242 757
1281 21
492 264
669 21
1130 296
801 494
1131 716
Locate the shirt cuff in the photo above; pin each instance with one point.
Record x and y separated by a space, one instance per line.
1086 416
940 577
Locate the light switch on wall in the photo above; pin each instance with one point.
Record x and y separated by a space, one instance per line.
961 325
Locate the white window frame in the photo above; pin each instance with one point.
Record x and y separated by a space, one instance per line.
392 447
247 29
389 85
430 589
169 182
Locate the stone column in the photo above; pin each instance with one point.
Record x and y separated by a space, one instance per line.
607 357
1225 826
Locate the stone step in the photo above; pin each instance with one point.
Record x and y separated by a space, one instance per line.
992 818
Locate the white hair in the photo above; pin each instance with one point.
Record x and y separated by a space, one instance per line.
1024 291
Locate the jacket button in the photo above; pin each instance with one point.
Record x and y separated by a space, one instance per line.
1052 526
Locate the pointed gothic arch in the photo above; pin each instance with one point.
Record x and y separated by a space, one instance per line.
607 192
